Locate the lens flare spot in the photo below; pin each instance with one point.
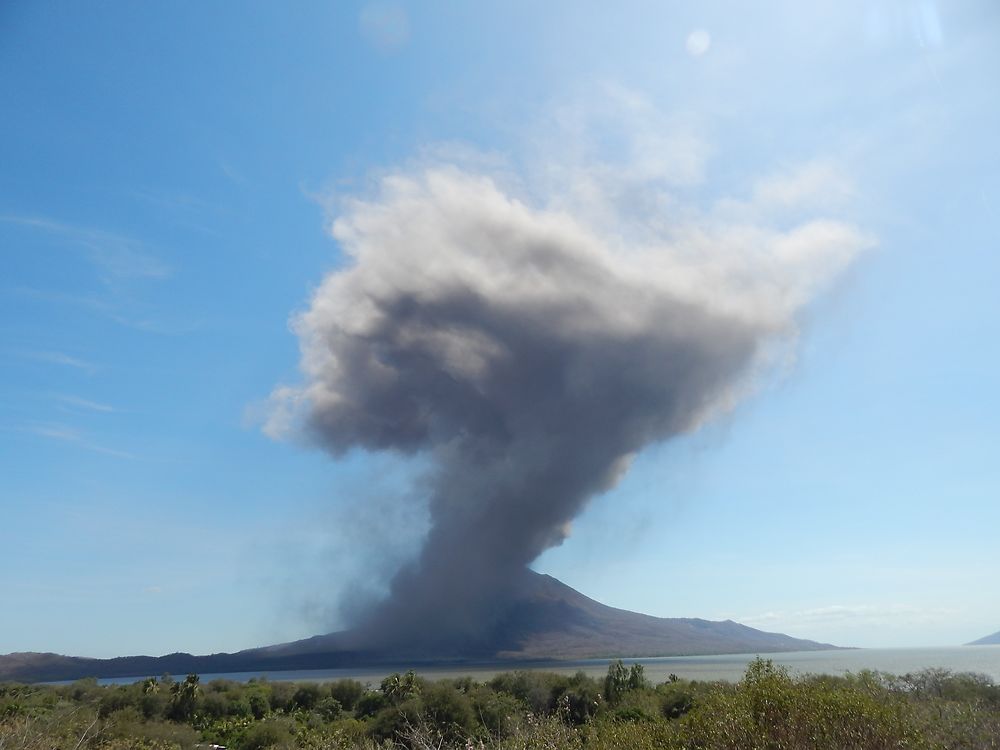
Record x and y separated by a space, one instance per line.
698 42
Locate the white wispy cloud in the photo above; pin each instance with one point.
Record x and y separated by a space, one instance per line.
61 358
116 257
173 200
69 434
117 260
56 432
183 209
110 309
161 326
84 403
816 183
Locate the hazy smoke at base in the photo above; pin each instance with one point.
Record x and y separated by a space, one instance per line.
530 356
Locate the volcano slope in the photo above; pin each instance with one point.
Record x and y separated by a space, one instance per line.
549 620
545 620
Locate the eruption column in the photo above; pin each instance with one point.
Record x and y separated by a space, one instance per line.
530 357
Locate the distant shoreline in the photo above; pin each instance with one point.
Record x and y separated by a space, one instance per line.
981 659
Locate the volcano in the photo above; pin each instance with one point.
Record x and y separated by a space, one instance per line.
989 640
546 620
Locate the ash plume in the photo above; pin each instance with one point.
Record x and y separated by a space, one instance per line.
529 354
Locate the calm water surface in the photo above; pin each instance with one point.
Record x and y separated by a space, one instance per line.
983 659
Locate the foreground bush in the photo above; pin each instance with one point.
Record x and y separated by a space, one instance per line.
768 709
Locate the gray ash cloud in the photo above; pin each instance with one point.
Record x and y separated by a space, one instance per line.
528 355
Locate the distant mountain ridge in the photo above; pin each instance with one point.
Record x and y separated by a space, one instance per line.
990 640
548 620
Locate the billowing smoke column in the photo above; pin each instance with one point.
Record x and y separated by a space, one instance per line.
529 356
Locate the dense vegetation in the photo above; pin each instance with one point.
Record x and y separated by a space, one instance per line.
767 709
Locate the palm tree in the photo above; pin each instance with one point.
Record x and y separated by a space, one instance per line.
184 697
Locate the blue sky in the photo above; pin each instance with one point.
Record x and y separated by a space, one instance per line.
169 177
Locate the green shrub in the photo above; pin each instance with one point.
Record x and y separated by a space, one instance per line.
768 709
370 703
347 693
446 709
258 701
265 734
307 695
676 699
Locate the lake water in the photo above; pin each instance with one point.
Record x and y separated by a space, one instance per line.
982 659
